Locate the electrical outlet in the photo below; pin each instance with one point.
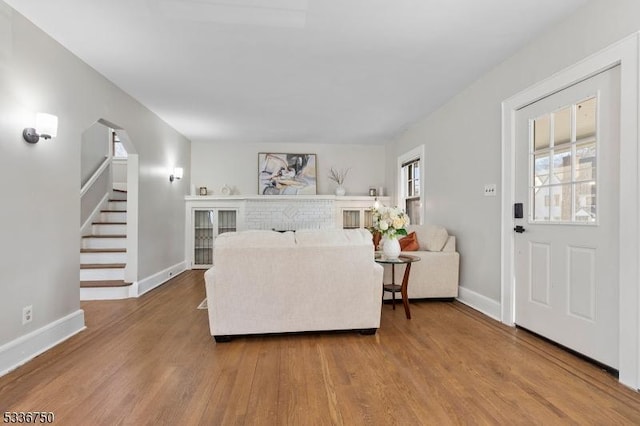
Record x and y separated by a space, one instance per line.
27 314
490 190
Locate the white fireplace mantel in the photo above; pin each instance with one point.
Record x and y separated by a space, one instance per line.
292 198
284 212
281 213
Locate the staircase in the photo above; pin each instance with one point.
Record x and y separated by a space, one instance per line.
103 253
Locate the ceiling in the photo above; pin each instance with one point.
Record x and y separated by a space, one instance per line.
306 71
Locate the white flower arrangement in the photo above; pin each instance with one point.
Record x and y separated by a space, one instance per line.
390 221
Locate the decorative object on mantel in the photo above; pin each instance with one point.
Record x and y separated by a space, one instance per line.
372 192
338 176
390 222
286 174
203 190
225 190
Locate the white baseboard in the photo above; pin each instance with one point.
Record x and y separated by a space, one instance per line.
25 348
147 284
105 293
136 289
480 303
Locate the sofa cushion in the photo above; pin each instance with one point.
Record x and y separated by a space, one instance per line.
255 238
333 237
409 243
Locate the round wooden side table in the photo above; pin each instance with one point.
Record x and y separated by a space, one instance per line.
393 288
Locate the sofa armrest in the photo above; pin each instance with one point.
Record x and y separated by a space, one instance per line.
450 245
434 276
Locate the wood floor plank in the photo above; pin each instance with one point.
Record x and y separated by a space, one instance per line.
152 361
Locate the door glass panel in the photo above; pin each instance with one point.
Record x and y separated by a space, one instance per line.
203 237
562 126
586 202
586 118
368 219
564 168
541 203
351 219
541 133
560 196
561 166
541 169
586 161
226 221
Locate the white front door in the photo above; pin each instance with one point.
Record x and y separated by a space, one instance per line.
566 243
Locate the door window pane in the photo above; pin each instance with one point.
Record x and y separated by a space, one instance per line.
562 126
541 169
541 134
586 161
586 118
586 202
561 166
561 203
541 203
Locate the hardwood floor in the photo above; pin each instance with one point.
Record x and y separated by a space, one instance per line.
152 361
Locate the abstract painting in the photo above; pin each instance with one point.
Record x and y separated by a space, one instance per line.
286 174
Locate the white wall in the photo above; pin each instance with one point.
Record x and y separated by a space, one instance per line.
236 165
94 148
463 137
40 214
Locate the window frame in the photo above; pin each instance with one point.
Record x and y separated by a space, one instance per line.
572 145
416 154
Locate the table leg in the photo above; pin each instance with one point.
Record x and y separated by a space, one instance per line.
393 282
403 290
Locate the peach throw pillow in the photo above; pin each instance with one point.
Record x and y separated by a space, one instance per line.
409 243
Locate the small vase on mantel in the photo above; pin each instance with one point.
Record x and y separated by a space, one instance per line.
391 248
340 191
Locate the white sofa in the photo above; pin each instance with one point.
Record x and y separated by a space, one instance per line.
312 280
436 274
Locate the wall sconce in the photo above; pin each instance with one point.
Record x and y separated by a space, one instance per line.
177 174
47 124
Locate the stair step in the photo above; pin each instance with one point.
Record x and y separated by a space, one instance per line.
104 241
108 228
101 271
112 216
102 265
117 204
104 283
103 255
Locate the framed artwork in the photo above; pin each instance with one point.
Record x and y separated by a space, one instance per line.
286 174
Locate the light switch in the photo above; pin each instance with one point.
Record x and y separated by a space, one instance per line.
490 190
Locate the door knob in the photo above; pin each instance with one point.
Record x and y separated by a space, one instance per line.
519 229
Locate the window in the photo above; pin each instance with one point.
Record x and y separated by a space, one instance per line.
410 167
119 150
411 184
563 164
